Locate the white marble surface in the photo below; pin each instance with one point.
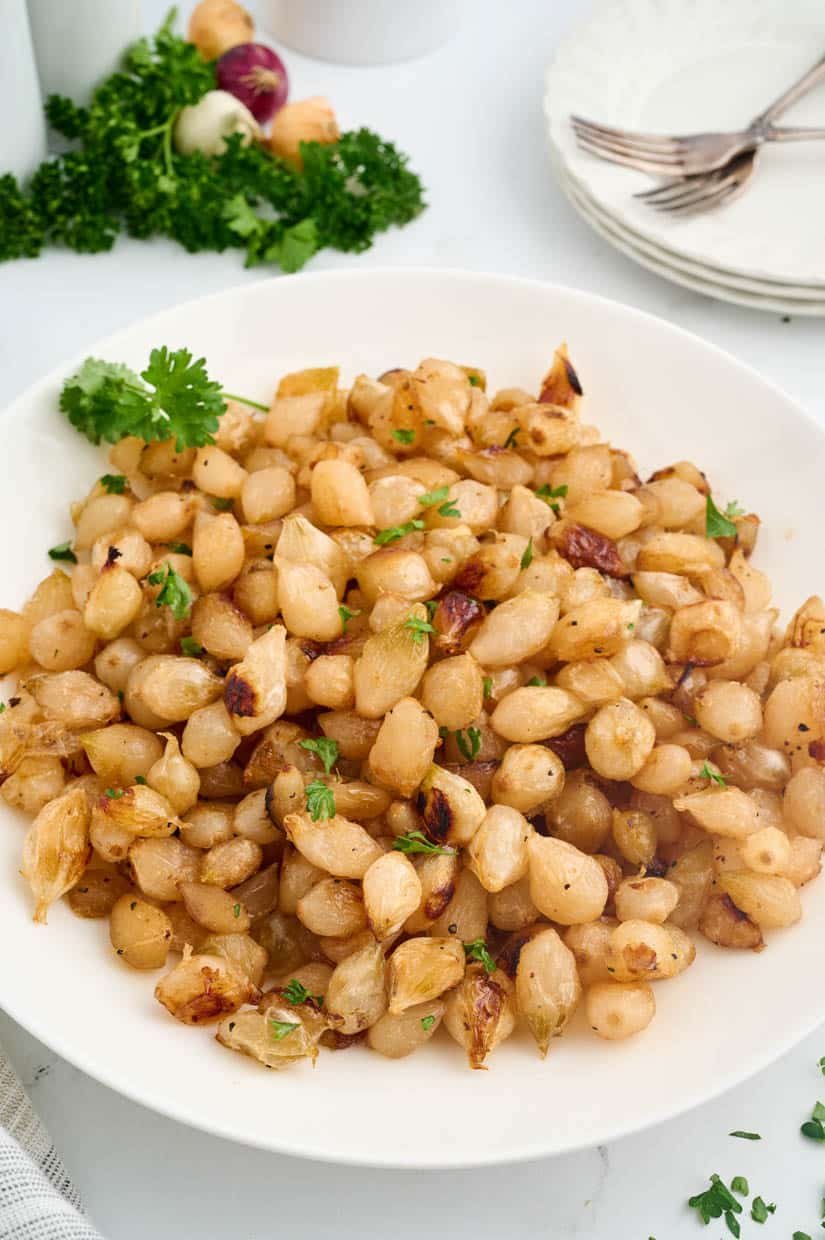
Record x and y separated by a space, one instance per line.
470 115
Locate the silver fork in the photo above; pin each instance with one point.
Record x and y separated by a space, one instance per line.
691 154
690 195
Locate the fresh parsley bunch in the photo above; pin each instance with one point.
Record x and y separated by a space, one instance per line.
123 175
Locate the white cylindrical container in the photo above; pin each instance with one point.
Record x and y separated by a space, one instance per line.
363 32
79 42
23 133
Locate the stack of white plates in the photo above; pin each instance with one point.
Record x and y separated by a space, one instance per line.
681 66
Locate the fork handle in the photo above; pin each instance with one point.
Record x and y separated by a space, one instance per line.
784 133
808 81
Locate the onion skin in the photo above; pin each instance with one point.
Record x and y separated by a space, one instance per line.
257 76
217 25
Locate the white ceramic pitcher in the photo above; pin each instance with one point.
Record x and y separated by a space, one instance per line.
23 133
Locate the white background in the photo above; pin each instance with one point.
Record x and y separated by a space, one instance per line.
470 116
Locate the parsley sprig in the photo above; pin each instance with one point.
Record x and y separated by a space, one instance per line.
296 993
477 950
707 772
320 801
550 495
346 614
114 484
172 398
174 593
280 1029
63 551
469 744
719 524
417 842
418 628
121 173
324 747
394 532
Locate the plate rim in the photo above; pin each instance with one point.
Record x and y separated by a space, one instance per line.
727 293
530 1148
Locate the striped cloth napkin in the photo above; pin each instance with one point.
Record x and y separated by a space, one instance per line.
37 1199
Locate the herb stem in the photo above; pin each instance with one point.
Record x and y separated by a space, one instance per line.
244 400
167 147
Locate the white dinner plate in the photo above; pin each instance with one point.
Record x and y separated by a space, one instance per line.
741 293
670 67
663 394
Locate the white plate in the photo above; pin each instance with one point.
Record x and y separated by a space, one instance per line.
668 258
671 67
654 389
771 302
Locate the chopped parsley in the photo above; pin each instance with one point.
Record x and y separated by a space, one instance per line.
477 950
320 801
718 524
761 1209
800 1235
2 707
432 607
140 779
404 436
222 504
418 628
813 1128
537 682
746 1136
740 1185
449 509
487 691
427 1023
325 748
707 772
474 381
397 531
469 744
280 1029
715 1202
236 910
114 794
63 551
511 440
430 498
417 842
822 1065
527 558
295 993
190 647
179 548
550 494
346 614
113 484
175 593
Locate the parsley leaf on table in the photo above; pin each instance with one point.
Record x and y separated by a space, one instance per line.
716 1201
